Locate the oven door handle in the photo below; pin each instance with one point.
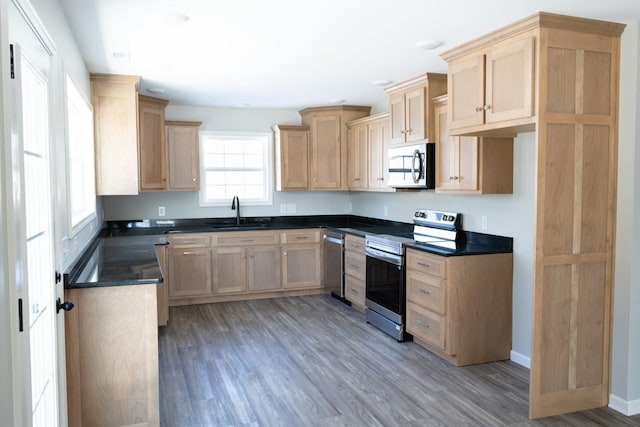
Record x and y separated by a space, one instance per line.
384 256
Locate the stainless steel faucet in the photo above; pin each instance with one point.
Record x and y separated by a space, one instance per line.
235 205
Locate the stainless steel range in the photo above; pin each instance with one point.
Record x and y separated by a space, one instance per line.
385 262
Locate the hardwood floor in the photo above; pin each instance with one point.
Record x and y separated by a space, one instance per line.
313 361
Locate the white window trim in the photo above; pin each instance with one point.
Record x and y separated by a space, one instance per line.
268 173
91 215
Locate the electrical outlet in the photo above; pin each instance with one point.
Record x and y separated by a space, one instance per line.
350 207
161 211
291 208
485 223
386 211
283 208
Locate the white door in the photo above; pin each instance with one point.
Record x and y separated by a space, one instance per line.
35 284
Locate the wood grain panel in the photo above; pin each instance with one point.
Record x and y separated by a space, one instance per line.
591 325
556 323
561 78
597 83
559 190
230 270
595 189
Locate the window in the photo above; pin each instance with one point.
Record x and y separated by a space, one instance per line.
81 185
235 164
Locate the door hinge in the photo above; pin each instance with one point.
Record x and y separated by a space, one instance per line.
13 66
58 277
20 327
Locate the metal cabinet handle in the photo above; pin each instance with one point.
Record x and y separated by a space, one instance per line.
246 240
188 253
357 267
302 237
421 323
424 264
355 291
423 291
478 109
487 107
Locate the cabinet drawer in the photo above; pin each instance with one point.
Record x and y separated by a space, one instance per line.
354 243
189 241
246 238
354 290
426 263
427 291
427 326
300 236
355 265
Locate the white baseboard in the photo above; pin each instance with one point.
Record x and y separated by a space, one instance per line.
521 359
626 407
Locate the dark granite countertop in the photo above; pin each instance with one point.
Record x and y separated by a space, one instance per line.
117 261
124 253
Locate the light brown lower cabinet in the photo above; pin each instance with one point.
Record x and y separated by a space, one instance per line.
460 307
354 270
112 356
235 265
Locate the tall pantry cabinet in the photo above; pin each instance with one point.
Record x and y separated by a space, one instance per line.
563 77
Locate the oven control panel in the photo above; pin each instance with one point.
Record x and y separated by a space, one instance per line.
449 220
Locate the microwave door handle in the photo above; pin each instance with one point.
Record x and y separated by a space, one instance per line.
416 154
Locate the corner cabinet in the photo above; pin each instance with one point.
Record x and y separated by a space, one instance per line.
115 114
291 157
470 164
411 113
152 144
368 142
183 155
328 144
562 73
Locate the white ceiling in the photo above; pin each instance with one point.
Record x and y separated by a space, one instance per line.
292 53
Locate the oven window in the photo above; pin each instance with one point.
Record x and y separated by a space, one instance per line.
384 284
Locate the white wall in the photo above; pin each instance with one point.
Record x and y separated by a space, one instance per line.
626 322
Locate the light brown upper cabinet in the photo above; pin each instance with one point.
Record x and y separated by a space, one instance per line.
328 144
152 144
411 113
470 164
367 153
115 114
183 159
573 74
291 157
492 87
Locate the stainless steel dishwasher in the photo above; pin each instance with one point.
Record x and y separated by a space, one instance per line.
334 264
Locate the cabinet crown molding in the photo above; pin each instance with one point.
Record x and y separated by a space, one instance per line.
115 78
422 79
367 119
533 22
361 108
151 100
181 123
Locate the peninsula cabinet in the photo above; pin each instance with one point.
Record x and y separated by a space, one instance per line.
575 74
291 157
328 144
152 144
411 113
470 164
112 356
183 155
115 114
493 85
460 307
368 142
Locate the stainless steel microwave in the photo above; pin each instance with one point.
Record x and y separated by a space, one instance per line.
413 166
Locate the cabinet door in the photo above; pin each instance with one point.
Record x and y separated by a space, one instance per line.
301 266
378 145
416 129
445 170
358 157
466 153
466 92
230 270
354 291
153 176
189 272
509 81
183 158
263 268
326 152
292 158
396 118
